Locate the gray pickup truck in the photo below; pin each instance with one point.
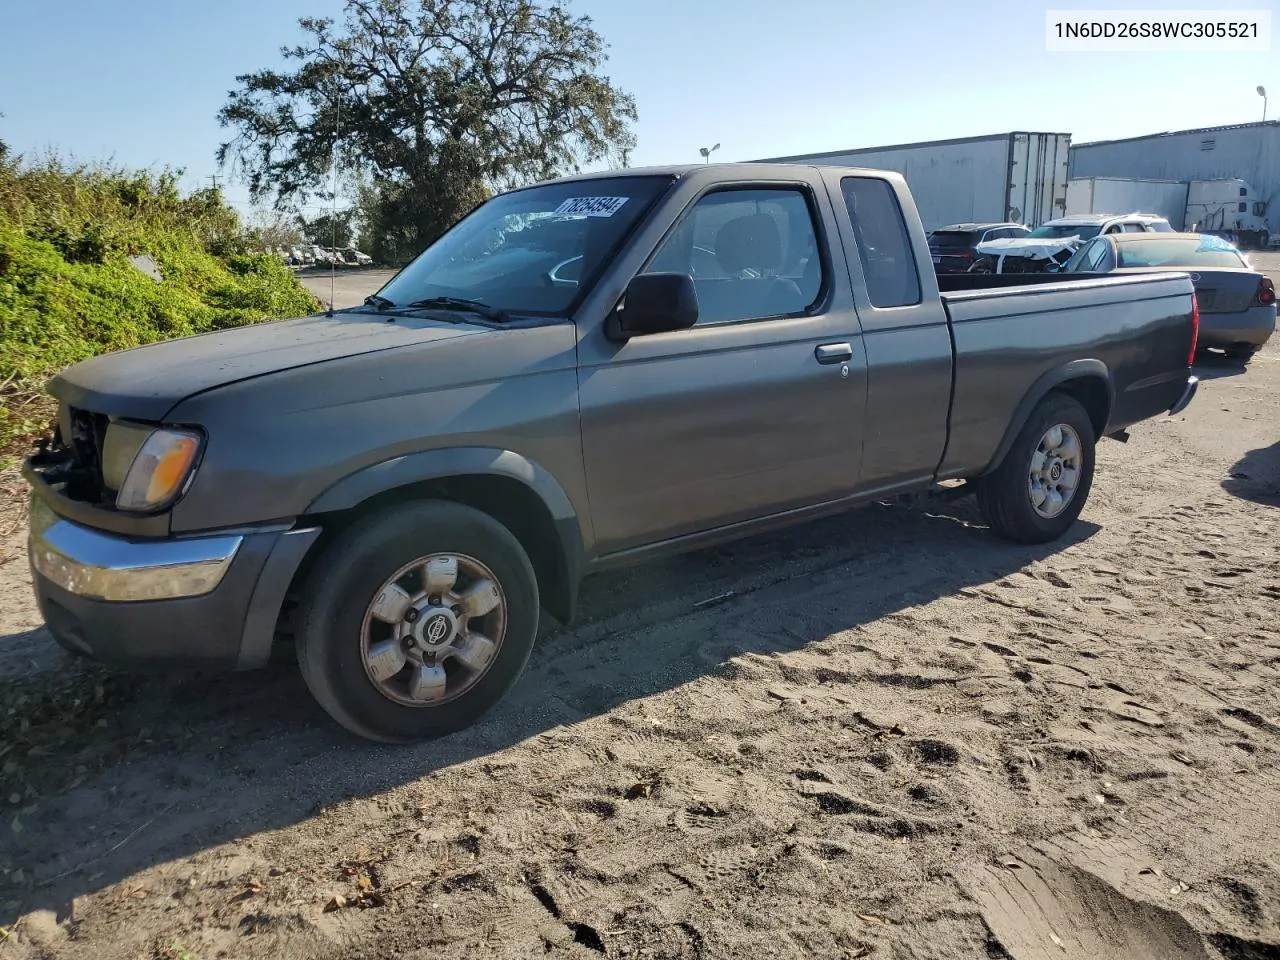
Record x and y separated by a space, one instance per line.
582 373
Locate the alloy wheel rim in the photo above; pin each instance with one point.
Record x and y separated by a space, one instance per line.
1056 467
433 629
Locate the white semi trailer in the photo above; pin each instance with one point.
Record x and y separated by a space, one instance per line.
1004 177
1227 207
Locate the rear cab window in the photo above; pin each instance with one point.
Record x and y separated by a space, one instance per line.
884 244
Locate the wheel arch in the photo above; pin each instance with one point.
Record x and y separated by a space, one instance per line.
1088 381
514 490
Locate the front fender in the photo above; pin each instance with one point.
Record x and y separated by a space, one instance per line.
355 488
1076 370
448 462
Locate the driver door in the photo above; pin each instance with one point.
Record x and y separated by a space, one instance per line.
755 410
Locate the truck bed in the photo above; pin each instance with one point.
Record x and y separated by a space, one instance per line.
1011 330
968 282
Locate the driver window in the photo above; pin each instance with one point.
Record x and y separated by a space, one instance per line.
753 254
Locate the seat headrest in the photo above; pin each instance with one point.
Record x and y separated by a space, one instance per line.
752 242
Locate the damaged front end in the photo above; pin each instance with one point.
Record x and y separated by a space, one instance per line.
1024 256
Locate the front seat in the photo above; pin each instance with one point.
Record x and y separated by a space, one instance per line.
752 243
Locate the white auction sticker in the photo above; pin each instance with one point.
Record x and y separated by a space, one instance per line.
590 206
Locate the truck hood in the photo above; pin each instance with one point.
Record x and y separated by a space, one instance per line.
1041 248
145 383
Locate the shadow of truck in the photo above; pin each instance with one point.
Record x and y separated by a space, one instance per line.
168 766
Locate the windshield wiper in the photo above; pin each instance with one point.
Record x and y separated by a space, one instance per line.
458 303
374 300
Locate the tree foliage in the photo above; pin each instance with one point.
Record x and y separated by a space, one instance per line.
68 288
330 229
435 103
276 228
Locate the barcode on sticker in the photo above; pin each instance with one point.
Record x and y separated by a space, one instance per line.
590 206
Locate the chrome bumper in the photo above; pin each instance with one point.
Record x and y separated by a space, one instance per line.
103 567
1193 384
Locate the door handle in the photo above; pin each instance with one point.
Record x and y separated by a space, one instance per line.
833 352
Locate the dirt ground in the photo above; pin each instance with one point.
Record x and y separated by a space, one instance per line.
887 735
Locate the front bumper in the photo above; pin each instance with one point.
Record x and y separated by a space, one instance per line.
211 601
99 566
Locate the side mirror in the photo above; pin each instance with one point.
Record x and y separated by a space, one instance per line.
654 303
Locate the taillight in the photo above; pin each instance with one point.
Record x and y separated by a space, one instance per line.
1266 292
1195 329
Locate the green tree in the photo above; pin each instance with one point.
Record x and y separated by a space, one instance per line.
276 228
330 229
434 103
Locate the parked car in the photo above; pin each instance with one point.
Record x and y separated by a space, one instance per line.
354 256
1237 303
953 248
1053 243
422 474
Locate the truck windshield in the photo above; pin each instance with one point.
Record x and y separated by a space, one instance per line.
529 251
1062 230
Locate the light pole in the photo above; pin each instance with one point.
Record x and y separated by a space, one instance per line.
1262 92
707 151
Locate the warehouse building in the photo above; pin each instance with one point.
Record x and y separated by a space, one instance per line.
1249 151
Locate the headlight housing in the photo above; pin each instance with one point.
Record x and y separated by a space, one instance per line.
149 467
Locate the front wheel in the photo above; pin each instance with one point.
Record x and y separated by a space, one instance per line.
1041 485
416 621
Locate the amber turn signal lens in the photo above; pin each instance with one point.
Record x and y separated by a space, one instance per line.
159 471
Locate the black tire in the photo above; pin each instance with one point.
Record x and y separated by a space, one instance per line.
347 577
1004 496
1241 353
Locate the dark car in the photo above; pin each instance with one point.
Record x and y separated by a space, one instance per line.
1237 303
953 248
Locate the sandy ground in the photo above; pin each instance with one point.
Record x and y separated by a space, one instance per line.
888 735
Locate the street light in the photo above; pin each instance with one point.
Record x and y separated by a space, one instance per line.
707 151
1262 92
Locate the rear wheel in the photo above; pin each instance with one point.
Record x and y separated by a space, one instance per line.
1041 485
417 621
1242 352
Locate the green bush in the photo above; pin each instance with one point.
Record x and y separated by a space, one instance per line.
68 290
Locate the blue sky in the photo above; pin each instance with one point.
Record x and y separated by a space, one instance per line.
141 80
